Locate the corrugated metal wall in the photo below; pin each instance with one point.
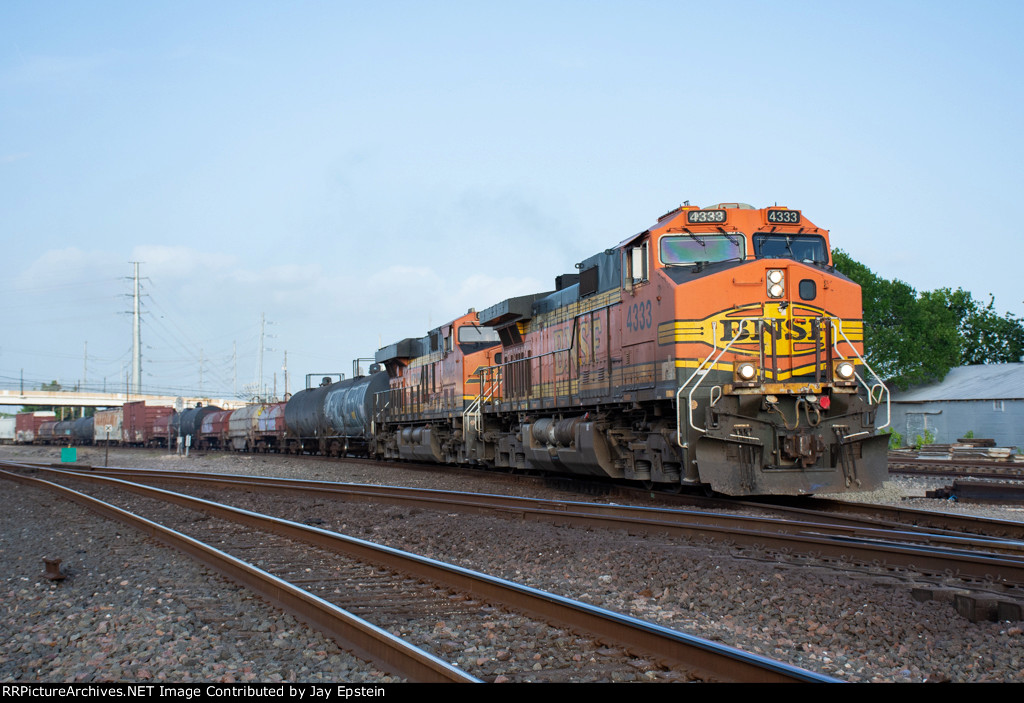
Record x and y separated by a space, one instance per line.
1001 420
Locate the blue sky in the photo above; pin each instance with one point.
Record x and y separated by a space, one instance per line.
361 172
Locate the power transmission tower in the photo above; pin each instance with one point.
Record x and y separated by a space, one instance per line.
136 338
259 376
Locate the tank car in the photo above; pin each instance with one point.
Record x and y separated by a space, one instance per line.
718 349
270 430
189 422
46 433
257 427
213 430
69 432
63 432
334 419
83 431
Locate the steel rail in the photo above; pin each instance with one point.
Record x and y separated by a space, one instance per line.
895 516
739 528
706 659
363 638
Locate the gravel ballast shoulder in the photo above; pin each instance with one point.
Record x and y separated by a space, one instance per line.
131 609
852 626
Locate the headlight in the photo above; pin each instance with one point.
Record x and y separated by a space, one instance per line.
845 370
746 372
776 283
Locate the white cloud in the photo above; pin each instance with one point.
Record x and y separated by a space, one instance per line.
168 262
63 266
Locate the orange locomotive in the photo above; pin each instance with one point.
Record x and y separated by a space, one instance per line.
717 349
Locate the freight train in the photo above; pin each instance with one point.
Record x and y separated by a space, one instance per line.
719 349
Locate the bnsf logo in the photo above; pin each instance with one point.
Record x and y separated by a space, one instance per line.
785 330
746 330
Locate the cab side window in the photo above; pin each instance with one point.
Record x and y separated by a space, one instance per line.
634 266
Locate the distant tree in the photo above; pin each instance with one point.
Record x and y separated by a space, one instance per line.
913 338
907 339
987 338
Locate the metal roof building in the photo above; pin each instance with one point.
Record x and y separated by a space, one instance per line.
985 399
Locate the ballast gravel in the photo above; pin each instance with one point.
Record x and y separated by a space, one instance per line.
132 610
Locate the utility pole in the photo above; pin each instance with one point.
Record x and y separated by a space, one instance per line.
285 368
85 364
259 378
136 337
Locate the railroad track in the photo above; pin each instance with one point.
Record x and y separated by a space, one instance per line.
985 573
896 517
312 576
966 467
868 540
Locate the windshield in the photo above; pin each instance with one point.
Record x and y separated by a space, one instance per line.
469 334
802 247
473 338
689 249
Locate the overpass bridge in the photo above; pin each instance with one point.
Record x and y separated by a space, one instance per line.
93 399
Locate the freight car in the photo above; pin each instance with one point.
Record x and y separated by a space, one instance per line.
46 434
213 430
258 427
718 349
108 426
8 429
77 432
334 419
188 424
83 431
28 424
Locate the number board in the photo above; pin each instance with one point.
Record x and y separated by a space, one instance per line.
697 217
784 217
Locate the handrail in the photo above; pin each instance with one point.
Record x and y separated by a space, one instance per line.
689 403
879 385
473 415
875 392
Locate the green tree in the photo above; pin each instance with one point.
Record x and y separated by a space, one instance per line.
908 339
986 337
912 338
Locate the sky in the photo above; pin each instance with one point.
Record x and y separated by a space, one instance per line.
355 173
